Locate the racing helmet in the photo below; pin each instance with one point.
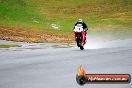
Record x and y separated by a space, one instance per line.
80 20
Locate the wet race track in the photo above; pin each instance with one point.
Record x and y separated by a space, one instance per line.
53 67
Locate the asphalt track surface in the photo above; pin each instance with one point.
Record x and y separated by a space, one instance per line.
52 67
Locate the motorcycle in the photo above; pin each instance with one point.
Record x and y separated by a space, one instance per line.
80 36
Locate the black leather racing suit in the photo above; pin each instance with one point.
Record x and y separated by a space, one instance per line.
82 24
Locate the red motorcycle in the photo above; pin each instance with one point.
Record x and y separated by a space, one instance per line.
80 36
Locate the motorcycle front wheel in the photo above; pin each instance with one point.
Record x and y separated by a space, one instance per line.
81 47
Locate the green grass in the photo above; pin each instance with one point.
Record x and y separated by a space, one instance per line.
8 46
100 15
94 12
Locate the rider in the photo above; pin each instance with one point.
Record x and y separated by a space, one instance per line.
81 23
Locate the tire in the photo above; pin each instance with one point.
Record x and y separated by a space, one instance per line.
81 47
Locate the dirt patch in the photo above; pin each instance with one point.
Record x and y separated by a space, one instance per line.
19 34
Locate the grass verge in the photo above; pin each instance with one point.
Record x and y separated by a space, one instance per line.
8 46
55 19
